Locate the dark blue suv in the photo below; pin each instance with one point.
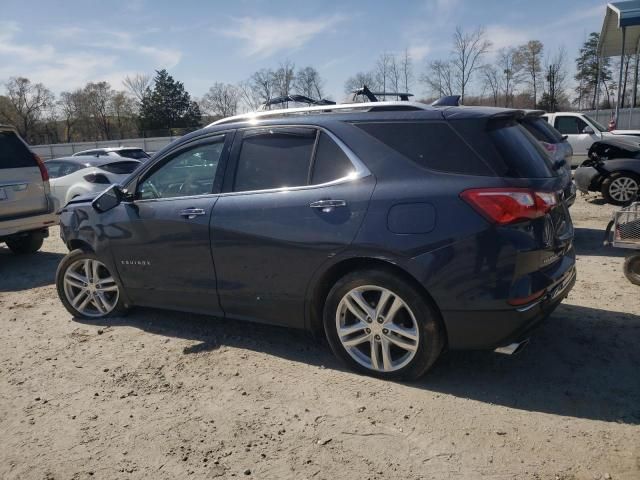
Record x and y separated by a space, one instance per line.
396 229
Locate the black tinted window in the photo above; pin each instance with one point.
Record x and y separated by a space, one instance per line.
135 154
14 153
517 153
331 162
569 125
433 145
120 168
542 131
274 158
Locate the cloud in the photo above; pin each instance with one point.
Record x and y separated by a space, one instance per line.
265 36
70 57
419 52
502 36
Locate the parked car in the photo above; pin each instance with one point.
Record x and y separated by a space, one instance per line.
581 131
126 152
613 168
71 177
395 228
557 147
26 210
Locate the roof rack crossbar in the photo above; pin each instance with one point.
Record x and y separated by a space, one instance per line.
389 106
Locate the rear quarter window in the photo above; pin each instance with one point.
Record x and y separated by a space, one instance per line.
14 153
120 168
433 145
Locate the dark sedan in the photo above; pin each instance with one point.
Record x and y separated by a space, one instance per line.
612 168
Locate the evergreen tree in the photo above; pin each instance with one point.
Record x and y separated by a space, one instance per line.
168 105
587 72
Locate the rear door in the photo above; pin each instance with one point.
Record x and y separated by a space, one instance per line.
294 197
22 188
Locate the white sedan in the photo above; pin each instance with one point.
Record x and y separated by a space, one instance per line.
71 177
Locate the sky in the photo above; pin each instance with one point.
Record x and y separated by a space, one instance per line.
65 44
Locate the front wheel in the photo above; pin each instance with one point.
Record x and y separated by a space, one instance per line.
381 325
620 188
632 268
87 288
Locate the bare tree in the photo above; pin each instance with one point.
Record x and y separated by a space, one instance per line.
283 78
406 69
491 82
439 78
529 58
122 109
99 97
70 107
137 85
263 85
382 70
309 83
511 73
359 80
555 76
26 104
250 97
221 100
468 50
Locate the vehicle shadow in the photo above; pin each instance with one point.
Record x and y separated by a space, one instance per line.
583 362
589 241
27 271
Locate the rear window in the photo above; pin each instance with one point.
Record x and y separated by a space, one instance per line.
432 145
135 154
518 154
14 153
542 131
120 168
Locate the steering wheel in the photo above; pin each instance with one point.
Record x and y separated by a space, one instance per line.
152 188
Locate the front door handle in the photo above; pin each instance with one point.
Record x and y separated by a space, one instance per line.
328 205
192 213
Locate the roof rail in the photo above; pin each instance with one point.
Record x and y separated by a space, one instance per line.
340 108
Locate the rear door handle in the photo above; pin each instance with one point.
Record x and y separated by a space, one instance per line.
192 213
328 205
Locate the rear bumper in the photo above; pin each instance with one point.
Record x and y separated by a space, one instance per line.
27 224
489 329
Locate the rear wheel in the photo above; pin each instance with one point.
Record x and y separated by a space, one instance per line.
24 244
381 325
632 268
87 288
620 188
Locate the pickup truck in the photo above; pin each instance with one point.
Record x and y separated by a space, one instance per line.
581 131
26 207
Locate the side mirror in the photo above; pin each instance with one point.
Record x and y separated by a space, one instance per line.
588 130
110 198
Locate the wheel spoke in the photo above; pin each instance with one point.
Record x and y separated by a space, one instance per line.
354 341
94 270
87 269
101 302
359 300
84 303
393 310
351 329
402 343
408 333
73 282
76 276
385 297
108 285
375 354
387 363
79 297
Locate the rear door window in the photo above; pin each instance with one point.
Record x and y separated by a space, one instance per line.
432 145
331 162
14 153
274 158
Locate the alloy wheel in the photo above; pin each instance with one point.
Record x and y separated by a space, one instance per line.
623 189
377 328
90 288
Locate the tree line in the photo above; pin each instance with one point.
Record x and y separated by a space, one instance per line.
520 76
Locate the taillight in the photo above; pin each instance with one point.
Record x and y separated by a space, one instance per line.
44 173
96 178
550 147
509 205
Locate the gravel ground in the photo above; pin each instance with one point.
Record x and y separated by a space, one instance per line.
168 395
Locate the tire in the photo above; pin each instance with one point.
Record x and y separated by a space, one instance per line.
632 269
619 187
25 244
103 296
416 323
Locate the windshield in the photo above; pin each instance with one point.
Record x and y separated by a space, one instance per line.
595 124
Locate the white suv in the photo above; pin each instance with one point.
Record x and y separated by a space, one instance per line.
26 209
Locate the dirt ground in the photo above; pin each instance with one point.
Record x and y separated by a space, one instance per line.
165 395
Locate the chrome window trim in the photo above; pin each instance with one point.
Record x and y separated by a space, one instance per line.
361 171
